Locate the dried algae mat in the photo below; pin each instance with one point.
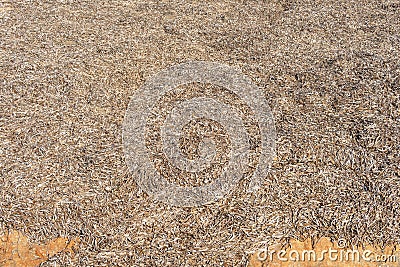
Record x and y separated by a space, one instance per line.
329 70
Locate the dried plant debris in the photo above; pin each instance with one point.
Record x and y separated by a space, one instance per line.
16 250
159 113
328 69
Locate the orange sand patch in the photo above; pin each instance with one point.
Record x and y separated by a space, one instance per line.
16 250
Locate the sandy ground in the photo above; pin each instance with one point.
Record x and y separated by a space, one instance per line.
330 72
